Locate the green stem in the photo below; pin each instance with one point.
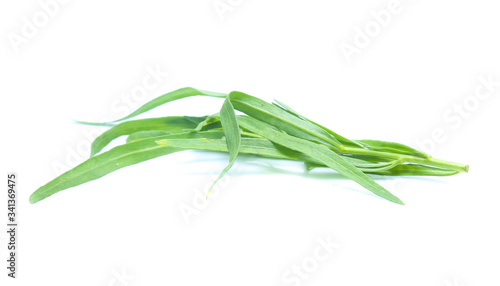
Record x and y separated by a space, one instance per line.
407 159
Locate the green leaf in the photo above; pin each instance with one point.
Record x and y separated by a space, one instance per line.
339 137
255 146
363 165
233 137
145 134
172 124
114 159
168 97
189 134
276 116
414 170
318 152
385 146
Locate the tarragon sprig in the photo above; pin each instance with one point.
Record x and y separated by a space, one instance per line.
269 130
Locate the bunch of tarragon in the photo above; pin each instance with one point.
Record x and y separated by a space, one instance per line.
263 129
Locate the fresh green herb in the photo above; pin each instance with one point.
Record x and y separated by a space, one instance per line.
266 130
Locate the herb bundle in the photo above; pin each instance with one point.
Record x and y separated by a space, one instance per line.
264 129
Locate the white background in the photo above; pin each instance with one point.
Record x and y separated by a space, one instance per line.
406 83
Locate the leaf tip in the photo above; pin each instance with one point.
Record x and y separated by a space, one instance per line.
34 198
397 201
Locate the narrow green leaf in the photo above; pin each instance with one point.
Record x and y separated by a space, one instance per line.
233 137
285 121
339 137
146 134
358 163
393 147
187 134
383 168
162 99
114 159
255 146
318 152
171 96
172 124
414 170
